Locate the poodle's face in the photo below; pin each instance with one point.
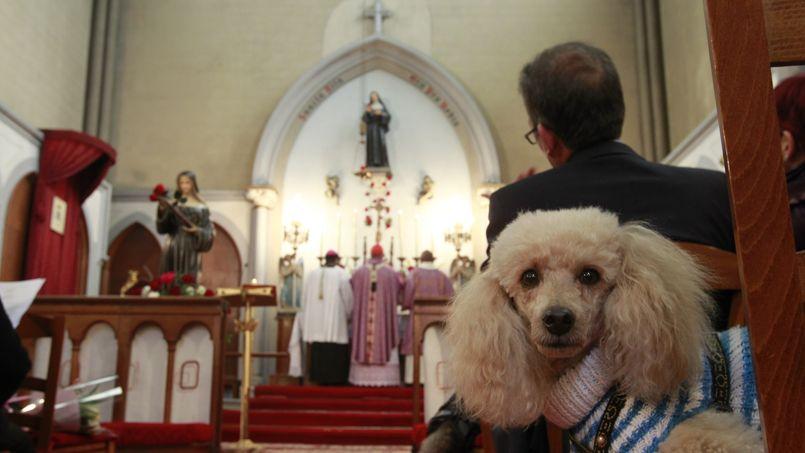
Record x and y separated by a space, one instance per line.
559 286
558 274
560 282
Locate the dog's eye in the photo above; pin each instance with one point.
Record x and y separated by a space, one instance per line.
589 277
530 278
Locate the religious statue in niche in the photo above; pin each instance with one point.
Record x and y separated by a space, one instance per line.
291 273
333 191
425 190
375 125
462 269
186 220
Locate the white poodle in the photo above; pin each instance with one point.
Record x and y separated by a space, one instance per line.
603 328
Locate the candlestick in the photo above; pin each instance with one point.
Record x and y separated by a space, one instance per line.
399 231
416 235
338 233
355 238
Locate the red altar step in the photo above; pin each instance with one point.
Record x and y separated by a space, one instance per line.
331 404
405 393
320 418
327 415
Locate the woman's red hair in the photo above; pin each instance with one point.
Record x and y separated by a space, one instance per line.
790 98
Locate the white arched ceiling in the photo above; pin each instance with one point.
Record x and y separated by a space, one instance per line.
407 63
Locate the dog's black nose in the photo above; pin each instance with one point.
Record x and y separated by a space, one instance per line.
558 320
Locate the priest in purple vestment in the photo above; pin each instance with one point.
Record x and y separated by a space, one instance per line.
423 281
376 288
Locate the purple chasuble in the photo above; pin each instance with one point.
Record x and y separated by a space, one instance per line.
422 282
374 314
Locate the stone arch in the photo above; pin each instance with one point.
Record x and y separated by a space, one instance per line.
376 52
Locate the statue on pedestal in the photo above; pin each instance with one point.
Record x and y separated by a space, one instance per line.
375 125
186 220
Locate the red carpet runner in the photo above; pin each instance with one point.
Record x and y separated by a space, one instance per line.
327 415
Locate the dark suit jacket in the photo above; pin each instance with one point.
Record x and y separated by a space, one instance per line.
13 358
684 204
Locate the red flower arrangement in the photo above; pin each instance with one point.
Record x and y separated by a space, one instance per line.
167 278
170 284
159 191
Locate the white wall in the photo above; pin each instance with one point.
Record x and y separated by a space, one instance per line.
96 212
420 141
45 49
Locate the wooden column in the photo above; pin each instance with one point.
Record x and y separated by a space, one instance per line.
123 334
75 362
166 417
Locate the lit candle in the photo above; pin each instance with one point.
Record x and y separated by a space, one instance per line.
432 241
416 235
399 231
338 233
355 239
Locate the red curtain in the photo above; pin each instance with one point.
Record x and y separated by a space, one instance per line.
71 166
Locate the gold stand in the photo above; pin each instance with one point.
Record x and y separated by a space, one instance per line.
248 295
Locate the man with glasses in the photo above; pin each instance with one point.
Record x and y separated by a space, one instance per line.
573 97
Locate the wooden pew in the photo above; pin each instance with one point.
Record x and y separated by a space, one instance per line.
172 315
41 424
768 268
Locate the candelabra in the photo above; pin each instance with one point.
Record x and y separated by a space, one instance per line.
458 237
296 235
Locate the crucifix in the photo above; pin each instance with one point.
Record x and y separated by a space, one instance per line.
378 15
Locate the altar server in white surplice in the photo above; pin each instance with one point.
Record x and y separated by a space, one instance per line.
326 309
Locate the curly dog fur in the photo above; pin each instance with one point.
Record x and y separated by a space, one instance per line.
632 293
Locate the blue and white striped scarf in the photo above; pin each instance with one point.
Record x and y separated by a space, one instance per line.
641 426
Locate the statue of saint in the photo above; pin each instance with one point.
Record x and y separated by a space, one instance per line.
375 124
291 273
186 220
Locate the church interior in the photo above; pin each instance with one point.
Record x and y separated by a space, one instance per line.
251 225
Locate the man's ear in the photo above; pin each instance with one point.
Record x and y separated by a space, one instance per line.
553 146
547 139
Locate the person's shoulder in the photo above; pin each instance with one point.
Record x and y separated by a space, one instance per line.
694 176
526 185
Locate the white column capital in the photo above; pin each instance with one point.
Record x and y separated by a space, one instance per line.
263 196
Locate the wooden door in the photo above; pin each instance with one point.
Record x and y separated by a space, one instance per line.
134 248
15 233
82 256
221 266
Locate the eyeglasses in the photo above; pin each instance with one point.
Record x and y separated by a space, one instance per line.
531 136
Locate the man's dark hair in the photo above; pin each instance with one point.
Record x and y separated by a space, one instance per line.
573 89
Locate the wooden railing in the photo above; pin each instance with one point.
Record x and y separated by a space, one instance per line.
172 315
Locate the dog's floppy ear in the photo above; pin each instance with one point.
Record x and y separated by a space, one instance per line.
656 318
497 373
